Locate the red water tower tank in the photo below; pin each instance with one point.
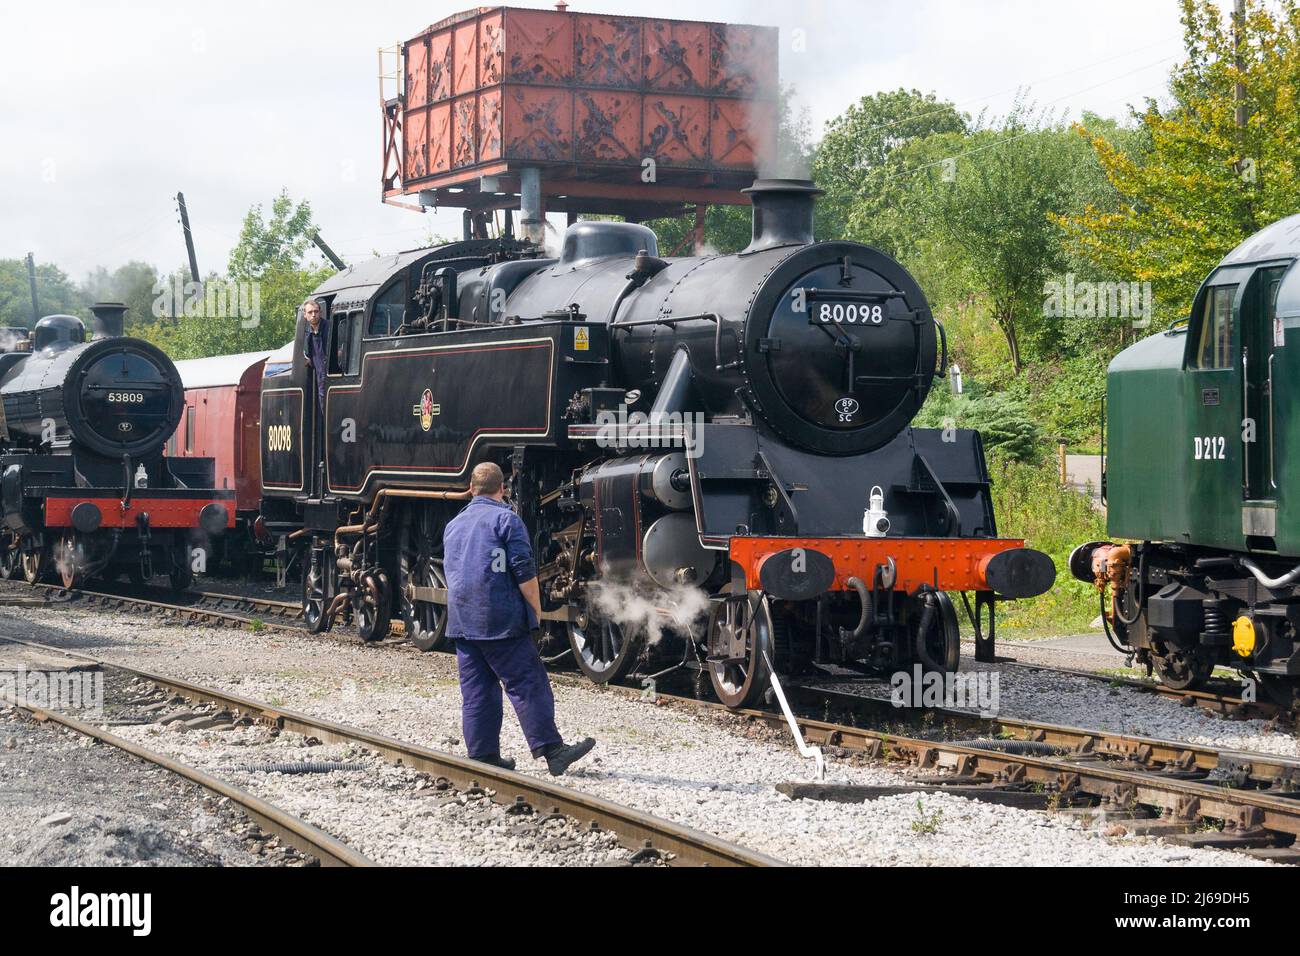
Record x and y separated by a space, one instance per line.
634 116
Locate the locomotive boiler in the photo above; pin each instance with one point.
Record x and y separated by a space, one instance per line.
84 485
727 434
1206 568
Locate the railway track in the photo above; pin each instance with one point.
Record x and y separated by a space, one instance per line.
293 830
257 613
1204 795
650 837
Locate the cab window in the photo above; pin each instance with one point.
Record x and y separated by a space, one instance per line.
345 350
1214 346
389 311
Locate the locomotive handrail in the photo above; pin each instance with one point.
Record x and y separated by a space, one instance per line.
671 320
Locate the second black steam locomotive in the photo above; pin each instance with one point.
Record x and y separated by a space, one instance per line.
84 486
729 430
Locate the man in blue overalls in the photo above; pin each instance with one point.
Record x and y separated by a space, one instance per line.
493 603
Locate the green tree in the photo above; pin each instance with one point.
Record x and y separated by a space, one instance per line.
135 284
852 159
990 200
56 293
1204 178
266 269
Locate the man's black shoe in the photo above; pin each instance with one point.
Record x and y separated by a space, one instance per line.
562 756
505 763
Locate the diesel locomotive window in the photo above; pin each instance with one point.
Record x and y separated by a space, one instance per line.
1214 347
389 311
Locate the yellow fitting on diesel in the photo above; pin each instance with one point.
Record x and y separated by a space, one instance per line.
1243 636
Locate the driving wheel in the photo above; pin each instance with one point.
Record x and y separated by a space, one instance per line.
740 640
420 565
604 649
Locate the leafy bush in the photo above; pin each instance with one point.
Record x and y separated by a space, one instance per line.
1004 423
1029 502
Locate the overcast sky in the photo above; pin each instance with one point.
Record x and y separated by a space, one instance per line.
108 108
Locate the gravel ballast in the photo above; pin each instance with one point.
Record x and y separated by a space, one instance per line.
712 772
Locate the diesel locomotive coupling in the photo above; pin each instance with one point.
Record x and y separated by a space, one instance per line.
714 454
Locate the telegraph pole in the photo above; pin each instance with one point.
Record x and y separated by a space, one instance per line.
31 280
189 237
328 252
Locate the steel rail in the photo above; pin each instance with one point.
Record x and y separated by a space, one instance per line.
1076 773
1262 768
638 830
302 835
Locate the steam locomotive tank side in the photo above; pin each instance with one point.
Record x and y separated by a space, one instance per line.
82 436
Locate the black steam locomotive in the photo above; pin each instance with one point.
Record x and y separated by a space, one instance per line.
83 482
728 432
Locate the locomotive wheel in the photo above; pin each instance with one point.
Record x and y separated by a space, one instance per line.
10 562
71 561
604 649
374 610
743 621
1182 670
1283 691
317 589
420 566
34 564
939 648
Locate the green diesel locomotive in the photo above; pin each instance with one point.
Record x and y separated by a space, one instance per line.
1204 428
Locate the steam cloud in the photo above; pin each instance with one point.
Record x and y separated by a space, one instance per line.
651 610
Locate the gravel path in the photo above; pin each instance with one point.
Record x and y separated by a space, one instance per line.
711 771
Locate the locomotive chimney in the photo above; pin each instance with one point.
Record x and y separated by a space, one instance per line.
783 212
110 319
